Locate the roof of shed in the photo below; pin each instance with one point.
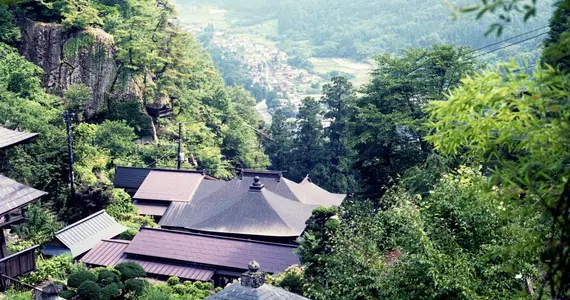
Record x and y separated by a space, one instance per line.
112 252
10 137
84 234
169 186
151 208
238 210
14 194
236 291
210 250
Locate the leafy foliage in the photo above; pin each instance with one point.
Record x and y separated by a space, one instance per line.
39 226
57 267
130 270
89 290
77 279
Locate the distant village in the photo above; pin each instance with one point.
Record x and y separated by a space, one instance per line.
267 65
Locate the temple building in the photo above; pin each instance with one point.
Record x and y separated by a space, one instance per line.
258 205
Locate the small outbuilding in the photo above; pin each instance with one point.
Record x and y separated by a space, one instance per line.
79 237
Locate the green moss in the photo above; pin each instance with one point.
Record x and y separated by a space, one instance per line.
83 41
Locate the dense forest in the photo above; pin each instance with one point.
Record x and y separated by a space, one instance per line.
457 172
360 29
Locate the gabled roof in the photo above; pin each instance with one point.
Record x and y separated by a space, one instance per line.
133 177
84 234
238 210
112 252
209 250
10 137
14 194
129 178
169 185
236 291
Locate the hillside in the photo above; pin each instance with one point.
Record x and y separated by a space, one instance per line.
360 29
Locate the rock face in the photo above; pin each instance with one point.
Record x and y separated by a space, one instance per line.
83 57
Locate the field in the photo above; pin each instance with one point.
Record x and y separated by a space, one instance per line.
360 70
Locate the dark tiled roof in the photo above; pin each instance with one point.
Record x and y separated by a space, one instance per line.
112 252
215 251
10 137
14 194
169 186
238 210
129 178
236 291
84 234
151 208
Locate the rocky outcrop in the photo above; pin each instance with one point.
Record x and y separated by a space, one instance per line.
69 58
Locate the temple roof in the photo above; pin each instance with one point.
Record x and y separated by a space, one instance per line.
237 210
10 137
14 194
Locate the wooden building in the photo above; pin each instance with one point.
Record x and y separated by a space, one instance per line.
79 237
14 198
191 256
260 205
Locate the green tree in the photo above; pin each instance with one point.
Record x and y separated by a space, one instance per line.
278 147
76 99
339 98
557 45
386 128
39 226
308 142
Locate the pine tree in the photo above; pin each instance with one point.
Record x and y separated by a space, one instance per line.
308 142
339 98
279 147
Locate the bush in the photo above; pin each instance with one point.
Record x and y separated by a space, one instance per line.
107 277
130 270
76 279
172 281
110 291
89 290
135 285
66 294
56 267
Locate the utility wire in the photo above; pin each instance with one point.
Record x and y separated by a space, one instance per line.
509 45
510 39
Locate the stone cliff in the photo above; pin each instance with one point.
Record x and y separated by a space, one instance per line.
68 58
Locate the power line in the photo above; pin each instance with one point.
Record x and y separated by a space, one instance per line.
509 45
510 39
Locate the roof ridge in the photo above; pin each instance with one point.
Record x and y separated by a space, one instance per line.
116 241
166 170
215 236
80 221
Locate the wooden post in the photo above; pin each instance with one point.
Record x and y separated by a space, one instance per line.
70 154
3 246
179 145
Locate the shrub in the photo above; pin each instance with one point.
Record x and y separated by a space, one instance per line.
76 279
110 291
130 270
56 267
172 281
135 285
107 277
89 290
66 294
